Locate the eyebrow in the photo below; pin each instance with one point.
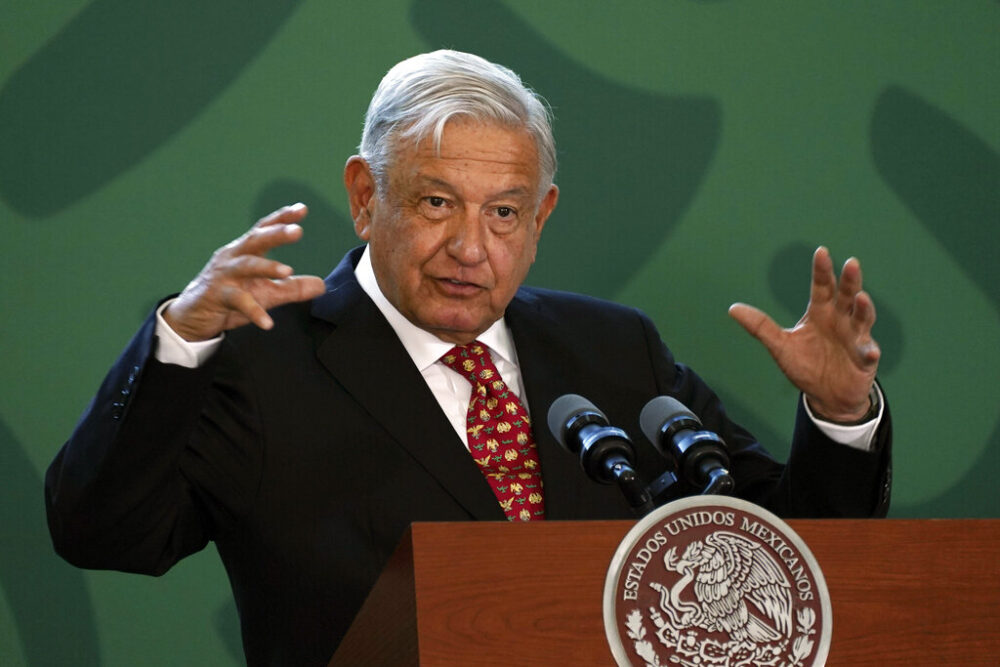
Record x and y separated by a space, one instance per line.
518 191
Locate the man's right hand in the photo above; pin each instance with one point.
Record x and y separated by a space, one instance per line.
239 284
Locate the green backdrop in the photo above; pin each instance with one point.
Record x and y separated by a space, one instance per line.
706 148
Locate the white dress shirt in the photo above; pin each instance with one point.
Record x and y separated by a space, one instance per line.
451 390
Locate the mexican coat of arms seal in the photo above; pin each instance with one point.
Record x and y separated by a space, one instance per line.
714 581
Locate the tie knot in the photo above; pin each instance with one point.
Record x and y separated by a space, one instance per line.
473 362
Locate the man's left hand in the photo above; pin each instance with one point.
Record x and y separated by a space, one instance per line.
829 354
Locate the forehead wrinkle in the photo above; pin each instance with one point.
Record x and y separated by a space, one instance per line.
512 164
503 165
423 179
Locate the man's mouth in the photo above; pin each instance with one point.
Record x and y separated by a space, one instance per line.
458 287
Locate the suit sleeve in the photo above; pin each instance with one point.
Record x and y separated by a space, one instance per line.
132 489
821 477
826 479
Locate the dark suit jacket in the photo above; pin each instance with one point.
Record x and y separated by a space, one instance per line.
304 453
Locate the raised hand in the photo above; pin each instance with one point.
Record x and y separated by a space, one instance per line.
239 284
829 354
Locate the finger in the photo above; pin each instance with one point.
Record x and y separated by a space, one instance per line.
260 240
869 352
824 283
243 302
849 286
862 319
284 215
297 288
863 312
246 267
758 324
279 292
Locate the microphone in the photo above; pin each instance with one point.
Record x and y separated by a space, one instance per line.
606 452
699 455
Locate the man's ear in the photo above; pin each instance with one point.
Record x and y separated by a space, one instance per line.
360 184
545 209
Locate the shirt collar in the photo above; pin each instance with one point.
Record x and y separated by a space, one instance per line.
424 347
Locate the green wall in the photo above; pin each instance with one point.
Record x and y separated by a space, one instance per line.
706 148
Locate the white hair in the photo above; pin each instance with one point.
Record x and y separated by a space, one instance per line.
418 96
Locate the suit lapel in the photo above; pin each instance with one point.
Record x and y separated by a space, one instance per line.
548 374
364 354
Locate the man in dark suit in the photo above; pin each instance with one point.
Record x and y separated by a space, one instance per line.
304 445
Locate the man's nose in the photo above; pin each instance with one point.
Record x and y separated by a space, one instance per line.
466 242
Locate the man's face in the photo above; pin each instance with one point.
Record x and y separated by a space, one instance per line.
455 232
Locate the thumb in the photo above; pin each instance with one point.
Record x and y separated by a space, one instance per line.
758 324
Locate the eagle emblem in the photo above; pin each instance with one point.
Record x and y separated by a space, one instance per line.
713 581
728 584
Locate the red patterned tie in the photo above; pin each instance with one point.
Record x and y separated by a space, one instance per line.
499 431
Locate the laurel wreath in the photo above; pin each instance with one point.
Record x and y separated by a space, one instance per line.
802 645
643 648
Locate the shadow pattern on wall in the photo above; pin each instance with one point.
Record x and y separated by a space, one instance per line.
148 71
49 599
950 180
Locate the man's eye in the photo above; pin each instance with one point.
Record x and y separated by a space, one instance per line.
506 212
436 202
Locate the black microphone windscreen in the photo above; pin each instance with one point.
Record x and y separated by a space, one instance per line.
658 412
563 409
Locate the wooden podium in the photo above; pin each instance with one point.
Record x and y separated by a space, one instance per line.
904 592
